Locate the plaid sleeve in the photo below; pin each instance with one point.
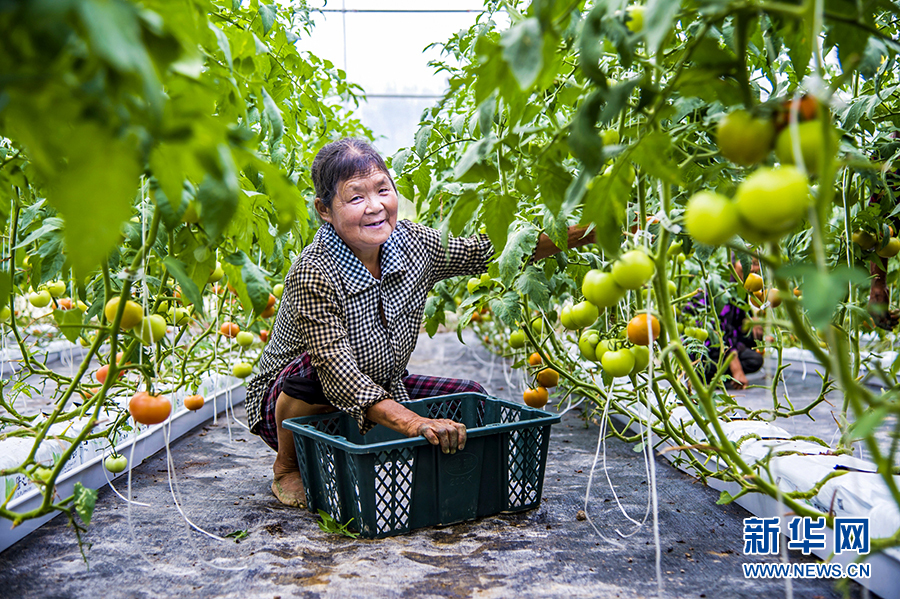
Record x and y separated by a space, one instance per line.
322 329
461 256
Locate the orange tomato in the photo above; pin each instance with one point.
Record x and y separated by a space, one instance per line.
230 330
639 329
535 359
149 409
193 402
548 378
536 398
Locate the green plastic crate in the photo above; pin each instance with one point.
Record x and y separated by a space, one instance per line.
389 484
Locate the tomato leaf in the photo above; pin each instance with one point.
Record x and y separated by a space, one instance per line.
422 137
604 205
535 285
822 291
267 16
654 154
658 21
101 172
188 288
69 322
474 154
724 498
463 210
115 35
218 198
434 314
521 243
556 229
523 51
507 308
273 114
85 500
499 213
252 283
868 422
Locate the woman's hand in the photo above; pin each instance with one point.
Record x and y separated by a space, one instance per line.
449 435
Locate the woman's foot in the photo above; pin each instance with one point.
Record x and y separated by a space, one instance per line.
288 489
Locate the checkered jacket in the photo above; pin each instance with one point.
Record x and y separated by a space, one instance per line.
330 309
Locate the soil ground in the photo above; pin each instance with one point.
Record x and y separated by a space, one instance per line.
224 476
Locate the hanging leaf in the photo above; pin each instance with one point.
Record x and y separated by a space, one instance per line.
189 289
85 500
523 51
267 15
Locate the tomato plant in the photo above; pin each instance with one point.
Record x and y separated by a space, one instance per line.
710 107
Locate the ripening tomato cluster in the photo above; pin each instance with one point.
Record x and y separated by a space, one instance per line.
773 200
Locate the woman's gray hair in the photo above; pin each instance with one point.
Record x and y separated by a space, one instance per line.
340 161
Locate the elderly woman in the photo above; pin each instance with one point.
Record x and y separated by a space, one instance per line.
351 312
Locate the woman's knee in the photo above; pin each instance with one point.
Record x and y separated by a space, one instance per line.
291 407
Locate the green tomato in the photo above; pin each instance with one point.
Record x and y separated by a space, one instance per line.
565 317
115 463
278 290
675 249
811 142
601 289
537 325
40 299
711 218
5 313
743 139
43 474
610 136
606 345
217 274
473 284
179 316
587 344
584 314
242 370
701 334
641 358
635 18
153 328
244 338
56 288
517 339
771 202
633 269
618 362
890 249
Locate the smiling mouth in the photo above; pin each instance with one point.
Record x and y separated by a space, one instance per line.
376 224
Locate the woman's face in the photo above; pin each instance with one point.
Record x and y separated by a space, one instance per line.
363 212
